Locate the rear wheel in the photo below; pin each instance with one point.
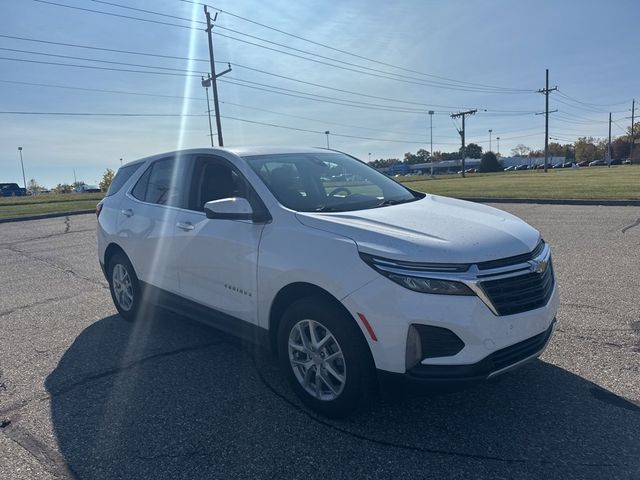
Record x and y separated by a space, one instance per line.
124 286
325 357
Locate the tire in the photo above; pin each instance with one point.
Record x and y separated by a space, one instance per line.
314 373
124 286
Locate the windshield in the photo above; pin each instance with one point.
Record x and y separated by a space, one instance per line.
327 182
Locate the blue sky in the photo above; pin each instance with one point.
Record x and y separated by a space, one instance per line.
590 48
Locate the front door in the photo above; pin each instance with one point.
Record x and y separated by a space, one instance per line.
218 258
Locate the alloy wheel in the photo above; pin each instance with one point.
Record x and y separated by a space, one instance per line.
317 360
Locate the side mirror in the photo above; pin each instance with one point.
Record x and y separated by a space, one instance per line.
235 208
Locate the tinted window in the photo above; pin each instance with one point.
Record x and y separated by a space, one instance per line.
162 183
215 179
140 190
121 178
329 182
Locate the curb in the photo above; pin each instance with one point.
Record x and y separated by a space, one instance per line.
46 215
556 201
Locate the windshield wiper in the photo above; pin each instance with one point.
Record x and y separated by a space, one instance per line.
395 201
326 208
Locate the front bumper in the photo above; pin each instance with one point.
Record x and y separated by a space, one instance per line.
496 364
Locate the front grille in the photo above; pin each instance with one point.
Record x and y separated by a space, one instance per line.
520 293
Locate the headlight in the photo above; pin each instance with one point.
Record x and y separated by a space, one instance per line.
414 276
430 285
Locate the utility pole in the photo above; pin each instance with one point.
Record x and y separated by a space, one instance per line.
206 84
498 139
431 112
213 76
633 111
75 180
461 132
24 179
546 91
609 144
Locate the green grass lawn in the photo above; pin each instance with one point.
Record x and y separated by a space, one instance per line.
615 183
11 207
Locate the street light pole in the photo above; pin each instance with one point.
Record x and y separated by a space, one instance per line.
327 132
498 139
369 157
431 130
24 179
490 130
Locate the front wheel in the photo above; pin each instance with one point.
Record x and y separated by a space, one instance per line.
325 357
124 286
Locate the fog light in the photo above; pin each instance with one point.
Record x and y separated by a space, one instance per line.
414 348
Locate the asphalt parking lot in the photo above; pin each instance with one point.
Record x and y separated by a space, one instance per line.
84 394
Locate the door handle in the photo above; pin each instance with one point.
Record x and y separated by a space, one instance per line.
186 226
127 212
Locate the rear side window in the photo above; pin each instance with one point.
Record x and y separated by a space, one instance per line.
162 183
121 178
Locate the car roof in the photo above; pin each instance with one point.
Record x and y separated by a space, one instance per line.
245 151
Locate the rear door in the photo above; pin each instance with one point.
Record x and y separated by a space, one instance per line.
147 220
218 258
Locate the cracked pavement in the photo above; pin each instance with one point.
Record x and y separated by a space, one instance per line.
84 394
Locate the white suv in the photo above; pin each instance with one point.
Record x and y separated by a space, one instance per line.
350 276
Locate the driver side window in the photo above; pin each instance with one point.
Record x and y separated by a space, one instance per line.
214 179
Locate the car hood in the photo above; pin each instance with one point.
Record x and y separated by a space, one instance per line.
433 229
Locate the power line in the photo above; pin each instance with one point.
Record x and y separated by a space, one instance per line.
483 89
104 114
489 112
180 97
247 84
561 92
199 72
347 52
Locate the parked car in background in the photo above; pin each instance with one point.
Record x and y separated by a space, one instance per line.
510 168
567 164
522 167
87 189
254 242
12 190
615 162
584 163
558 165
626 162
597 163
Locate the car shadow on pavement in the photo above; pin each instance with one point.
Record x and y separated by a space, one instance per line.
170 398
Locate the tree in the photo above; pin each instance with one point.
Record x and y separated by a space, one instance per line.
421 156
34 186
107 178
451 155
384 162
556 150
473 150
489 163
620 148
63 188
520 150
586 149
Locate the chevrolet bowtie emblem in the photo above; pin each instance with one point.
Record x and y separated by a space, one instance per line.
539 266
